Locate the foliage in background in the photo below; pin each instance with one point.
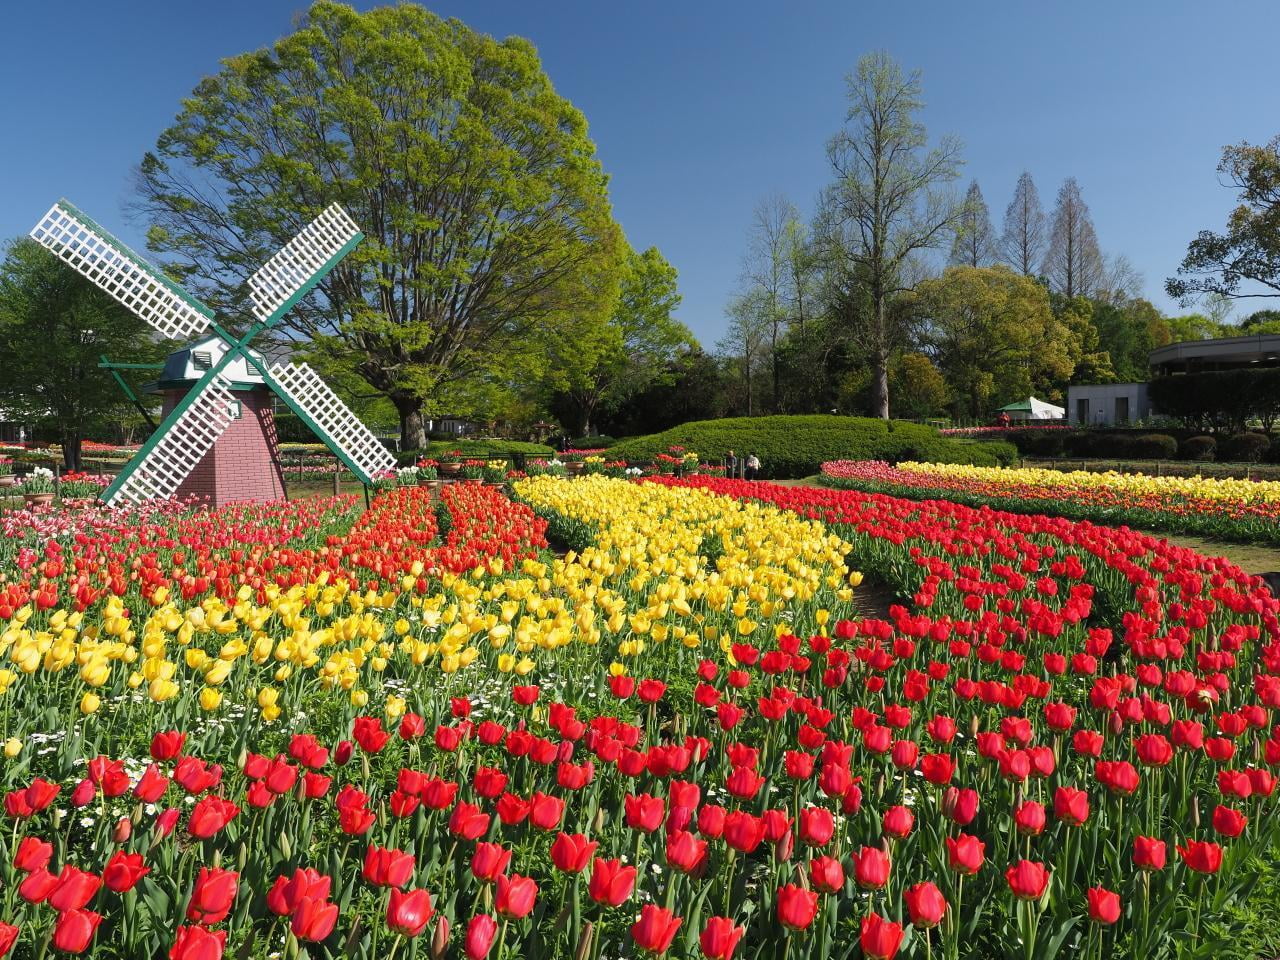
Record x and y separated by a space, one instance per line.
487 220
56 325
795 446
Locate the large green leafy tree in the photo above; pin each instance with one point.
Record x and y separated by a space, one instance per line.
56 325
633 351
1243 260
484 206
994 335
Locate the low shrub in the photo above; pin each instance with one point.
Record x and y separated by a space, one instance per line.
1244 448
1200 448
1152 446
796 446
593 441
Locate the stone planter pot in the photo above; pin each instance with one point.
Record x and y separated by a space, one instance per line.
450 470
574 466
473 480
432 485
8 480
37 499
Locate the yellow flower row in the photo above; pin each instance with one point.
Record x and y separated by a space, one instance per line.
1225 490
668 564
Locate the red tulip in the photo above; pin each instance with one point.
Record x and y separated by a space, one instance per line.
468 821
611 882
481 931
1228 822
1202 856
1104 906
720 938
871 868
516 896
796 906
571 852
1071 806
8 936
314 919
926 905
210 815
742 831
197 943
826 874
409 911
880 938
965 853
1029 818
644 812
1027 880
32 854
545 811
123 871
388 867
74 930
655 928
287 893
167 744
1148 853
151 786
74 890
685 852
897 822
490 861
816 826
38 885
213 895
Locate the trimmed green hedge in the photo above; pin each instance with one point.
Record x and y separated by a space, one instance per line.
796 446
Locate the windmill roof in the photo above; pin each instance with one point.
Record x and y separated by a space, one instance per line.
184 367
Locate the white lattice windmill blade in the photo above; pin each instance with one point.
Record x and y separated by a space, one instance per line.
302 262
315 402
111 265
179 445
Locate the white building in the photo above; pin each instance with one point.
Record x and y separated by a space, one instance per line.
1107 404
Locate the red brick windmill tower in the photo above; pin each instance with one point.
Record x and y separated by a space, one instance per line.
244 462
218 438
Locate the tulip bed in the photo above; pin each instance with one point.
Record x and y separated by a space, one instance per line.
1245 511
604 718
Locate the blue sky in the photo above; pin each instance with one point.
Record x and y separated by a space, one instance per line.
700 109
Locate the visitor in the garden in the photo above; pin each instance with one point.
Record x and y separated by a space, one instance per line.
753 466
1004 420
731 465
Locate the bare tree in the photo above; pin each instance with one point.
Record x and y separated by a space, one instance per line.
746 340
887 201
975 241
1074 262
770 271
1121 280
1022 243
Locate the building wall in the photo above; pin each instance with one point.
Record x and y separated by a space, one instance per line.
1106 403
244 464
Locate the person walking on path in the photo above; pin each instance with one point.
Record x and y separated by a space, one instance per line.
753 466
731 465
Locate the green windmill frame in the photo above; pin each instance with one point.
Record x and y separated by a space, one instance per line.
193 426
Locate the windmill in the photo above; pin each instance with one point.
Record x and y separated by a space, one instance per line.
203 406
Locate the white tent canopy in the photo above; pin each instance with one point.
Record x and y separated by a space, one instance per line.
1033 409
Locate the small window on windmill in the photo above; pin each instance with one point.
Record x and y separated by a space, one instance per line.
201 359
234 409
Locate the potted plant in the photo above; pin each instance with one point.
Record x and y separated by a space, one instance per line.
7 479
495 473
451 464
80 489
387 480
37 488
573 464
429 477
472 471
690 463
593 464
407 476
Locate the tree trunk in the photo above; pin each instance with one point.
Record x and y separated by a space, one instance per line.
413 435
880 388
71 449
